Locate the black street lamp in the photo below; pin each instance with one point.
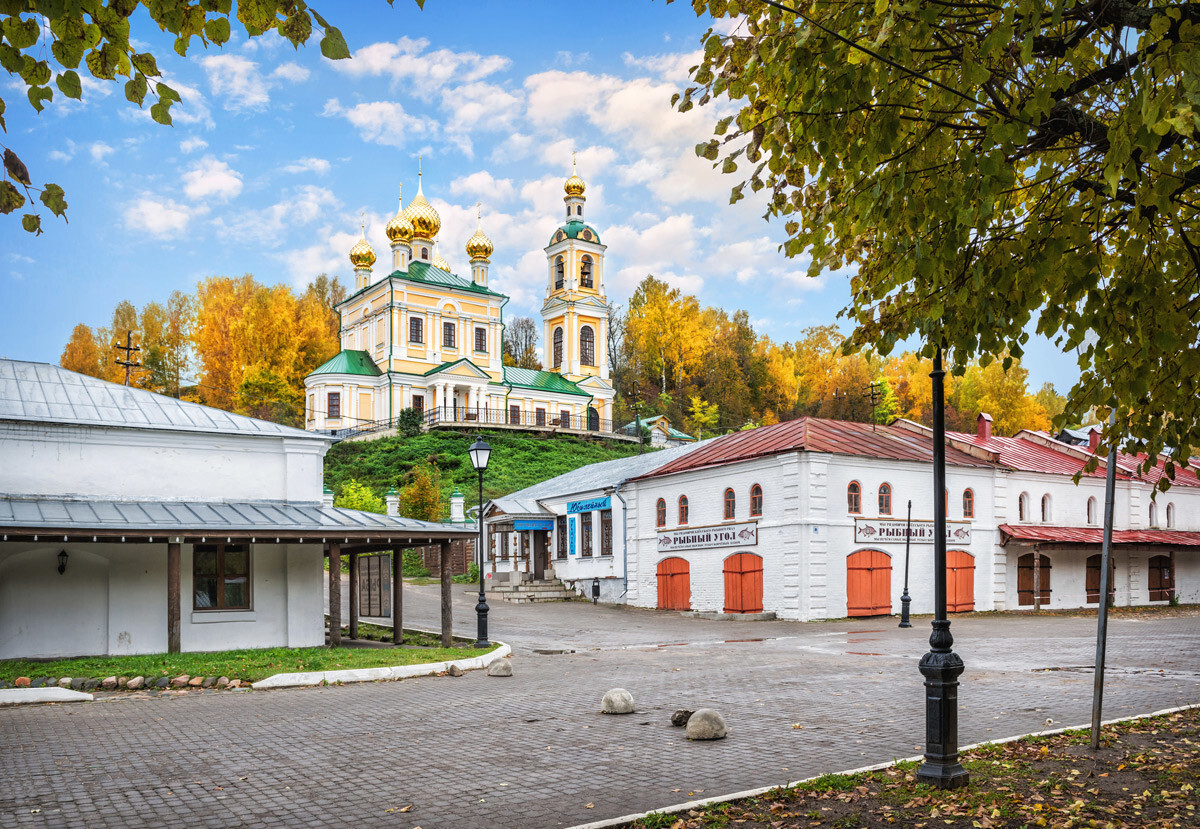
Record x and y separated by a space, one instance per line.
480 452
941 666
905 599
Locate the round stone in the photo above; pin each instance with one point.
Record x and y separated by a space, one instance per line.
617 701
501 667
706 724
680 718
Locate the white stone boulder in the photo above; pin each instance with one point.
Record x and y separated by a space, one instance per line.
706 724
617 701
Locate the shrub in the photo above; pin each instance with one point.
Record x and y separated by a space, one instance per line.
413 565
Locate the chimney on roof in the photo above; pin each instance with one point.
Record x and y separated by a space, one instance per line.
1093 440
983 426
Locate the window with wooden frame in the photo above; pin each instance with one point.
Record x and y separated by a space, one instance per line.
587 346
333 406
585 534
558 348
560 544
756 504
418 403
854 498
221 577
885 499
514 415
447 335
730 504
539 417
504 546
606 538
564 418
968 503
660 513
683 509
481 339
416 330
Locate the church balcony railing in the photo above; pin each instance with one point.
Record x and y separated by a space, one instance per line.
440 417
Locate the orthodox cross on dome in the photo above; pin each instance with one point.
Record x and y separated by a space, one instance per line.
362 215
573 153
479 214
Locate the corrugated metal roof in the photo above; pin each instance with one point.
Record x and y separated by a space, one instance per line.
1095 535
814 434
65 515
597 476
1027 456
43 393
541 380
519 506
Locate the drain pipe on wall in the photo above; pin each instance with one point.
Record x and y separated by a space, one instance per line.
624 538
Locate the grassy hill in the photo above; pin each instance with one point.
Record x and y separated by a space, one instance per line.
518 460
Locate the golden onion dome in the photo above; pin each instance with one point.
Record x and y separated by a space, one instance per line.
399 228
574 186
479 246
439 262
362 255
424 219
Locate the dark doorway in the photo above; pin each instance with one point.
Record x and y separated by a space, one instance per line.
593 420
540 553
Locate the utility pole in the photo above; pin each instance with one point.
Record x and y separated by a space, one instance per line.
876 394
128 348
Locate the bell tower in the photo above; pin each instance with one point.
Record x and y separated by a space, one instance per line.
575 313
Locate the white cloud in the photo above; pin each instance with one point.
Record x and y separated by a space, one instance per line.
63 155
480 106
238 80
481 184
191 145
755 258
98 150
293 72
210 177
670 67
159 216
424 72
381 122
301 207
305 165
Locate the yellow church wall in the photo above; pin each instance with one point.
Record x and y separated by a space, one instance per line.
421 299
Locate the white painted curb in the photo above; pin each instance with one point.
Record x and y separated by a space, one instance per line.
709 801
29 696
372 674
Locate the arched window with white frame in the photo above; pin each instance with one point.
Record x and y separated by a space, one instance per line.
1153 514
1091 510
1046 508
1023 507
558 348
1170 516
587 346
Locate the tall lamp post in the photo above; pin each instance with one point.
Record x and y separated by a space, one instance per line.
941 667
480 452
905 599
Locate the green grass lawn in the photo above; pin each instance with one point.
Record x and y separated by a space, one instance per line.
250 665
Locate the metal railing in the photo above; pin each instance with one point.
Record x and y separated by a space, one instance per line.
444 416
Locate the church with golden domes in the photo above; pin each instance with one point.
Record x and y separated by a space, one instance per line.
424 338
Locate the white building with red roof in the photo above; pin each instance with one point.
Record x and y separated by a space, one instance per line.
807 519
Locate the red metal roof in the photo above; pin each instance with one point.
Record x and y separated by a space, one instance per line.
1095 535
1028 456
814 434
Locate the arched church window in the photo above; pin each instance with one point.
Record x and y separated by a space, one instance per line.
425 253
559 271
558 344
587 235
585 271
587 346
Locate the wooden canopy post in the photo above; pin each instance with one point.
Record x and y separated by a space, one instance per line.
398 597
173 602
335 594
445 564
353 595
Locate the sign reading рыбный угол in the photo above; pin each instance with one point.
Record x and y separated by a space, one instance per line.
884 530
697 538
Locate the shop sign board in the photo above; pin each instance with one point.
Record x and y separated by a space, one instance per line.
698 538
888 530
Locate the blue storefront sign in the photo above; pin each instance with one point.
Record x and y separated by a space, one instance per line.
571 536
544 524
588 506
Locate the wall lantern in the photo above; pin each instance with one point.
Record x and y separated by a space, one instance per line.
62 562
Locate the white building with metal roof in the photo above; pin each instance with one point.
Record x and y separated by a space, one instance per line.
570 527
131 522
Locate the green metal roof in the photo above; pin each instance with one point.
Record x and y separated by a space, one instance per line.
651 422
527 378
573 228
350 362
427 274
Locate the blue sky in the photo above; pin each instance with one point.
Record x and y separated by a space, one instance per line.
275 153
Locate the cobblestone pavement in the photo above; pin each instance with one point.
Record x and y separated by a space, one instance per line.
531 750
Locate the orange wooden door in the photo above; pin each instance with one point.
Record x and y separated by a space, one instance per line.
674 585
1161 579
1093 579
868 583
960 581
743 583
